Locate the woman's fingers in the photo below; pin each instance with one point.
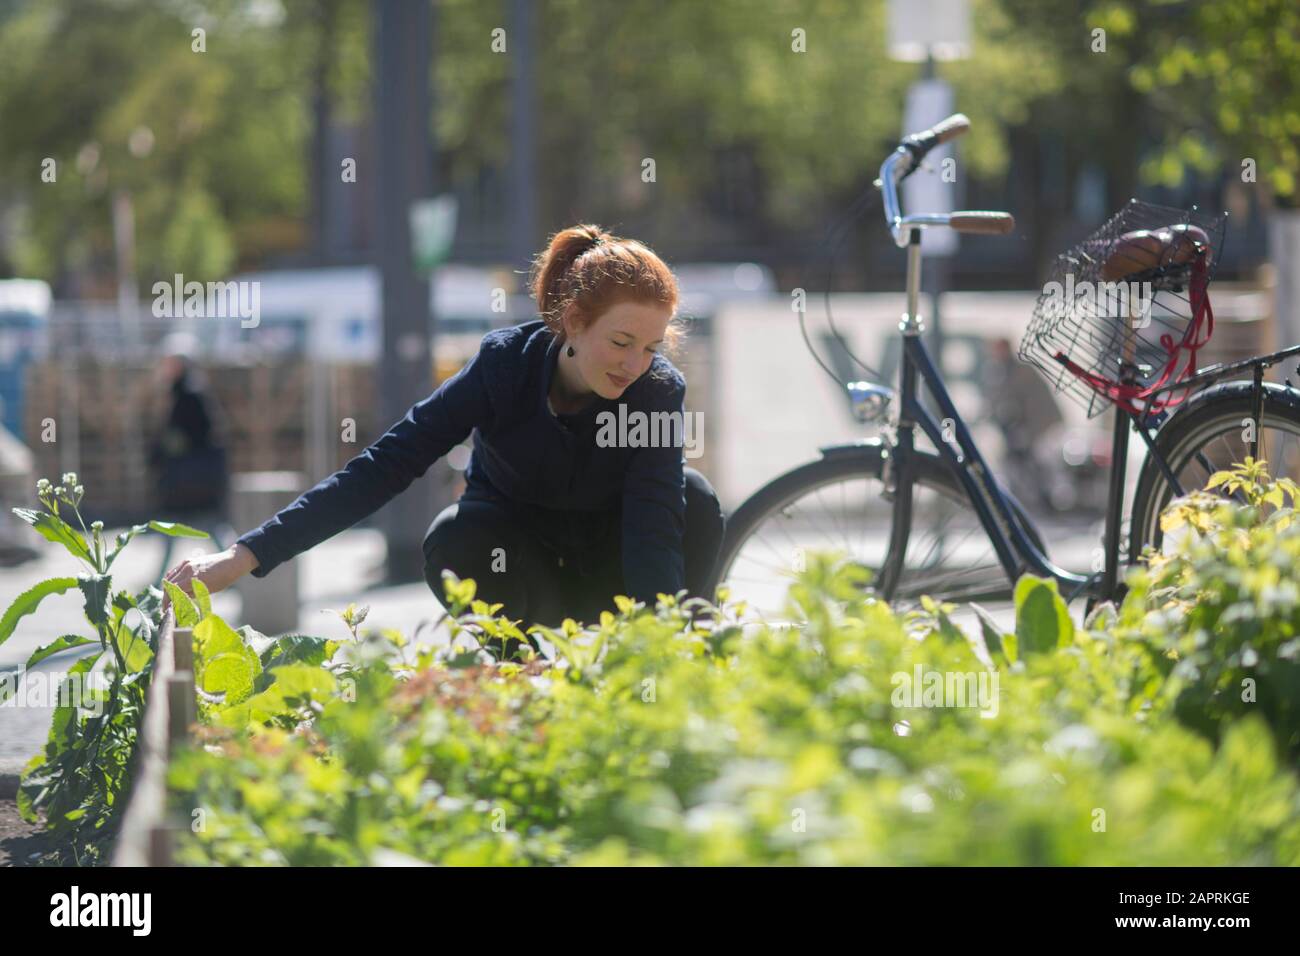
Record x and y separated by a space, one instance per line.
217 572
180 576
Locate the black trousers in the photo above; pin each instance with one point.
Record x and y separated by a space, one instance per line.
544 566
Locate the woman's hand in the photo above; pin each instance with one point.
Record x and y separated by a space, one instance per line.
216 571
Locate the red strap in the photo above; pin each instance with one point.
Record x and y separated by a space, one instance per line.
1137 398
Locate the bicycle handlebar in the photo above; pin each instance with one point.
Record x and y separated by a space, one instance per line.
903 161
918 144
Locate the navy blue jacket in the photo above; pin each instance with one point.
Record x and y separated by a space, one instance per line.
539 463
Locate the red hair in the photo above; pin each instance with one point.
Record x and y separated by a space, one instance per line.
588 271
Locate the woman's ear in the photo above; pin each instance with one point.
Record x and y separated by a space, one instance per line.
567 323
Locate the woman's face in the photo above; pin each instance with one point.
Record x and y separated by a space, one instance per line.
617 349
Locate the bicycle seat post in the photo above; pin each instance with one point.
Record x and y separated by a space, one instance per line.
912 323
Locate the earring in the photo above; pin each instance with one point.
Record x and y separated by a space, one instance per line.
570 351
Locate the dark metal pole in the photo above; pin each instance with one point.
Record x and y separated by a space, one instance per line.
404 156
322 164
523 137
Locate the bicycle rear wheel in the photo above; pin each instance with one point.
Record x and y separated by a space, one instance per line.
836 504
1211 435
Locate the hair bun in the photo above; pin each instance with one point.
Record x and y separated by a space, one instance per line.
564 277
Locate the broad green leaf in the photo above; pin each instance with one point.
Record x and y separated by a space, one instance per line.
224 664
988 642
295 649
58 644
239 716
29 600
950 631
202 598
98 589
57 530
65 715
304 680
175 529
215 637
187 615
1042 619
24 798
135 650
231 676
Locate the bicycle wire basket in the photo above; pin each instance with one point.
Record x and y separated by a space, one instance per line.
1124 312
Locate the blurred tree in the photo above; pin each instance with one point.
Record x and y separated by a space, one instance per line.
713 91
207 142
1229 79
761 118
1228 83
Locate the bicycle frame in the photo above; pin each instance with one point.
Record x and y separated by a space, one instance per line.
1015 551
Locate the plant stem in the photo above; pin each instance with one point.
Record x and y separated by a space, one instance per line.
96 565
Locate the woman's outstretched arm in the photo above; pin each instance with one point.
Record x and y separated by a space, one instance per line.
431 428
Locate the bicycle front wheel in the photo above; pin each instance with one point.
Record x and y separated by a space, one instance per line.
1212 434
836 504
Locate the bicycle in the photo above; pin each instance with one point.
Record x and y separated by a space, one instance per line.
937 522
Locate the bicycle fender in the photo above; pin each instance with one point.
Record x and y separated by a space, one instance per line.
868 445
1273 392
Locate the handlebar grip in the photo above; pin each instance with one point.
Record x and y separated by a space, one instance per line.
983 222
955 125
919 144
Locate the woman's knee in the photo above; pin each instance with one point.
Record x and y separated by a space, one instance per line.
472 539
703 509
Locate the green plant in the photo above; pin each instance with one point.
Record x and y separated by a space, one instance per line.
1221 613
675 735
686 739
79 778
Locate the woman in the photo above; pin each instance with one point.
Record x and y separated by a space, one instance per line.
561 510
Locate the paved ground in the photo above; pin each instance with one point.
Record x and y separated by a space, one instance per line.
19 840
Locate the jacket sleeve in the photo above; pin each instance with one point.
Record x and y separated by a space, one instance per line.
430 429
654 510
